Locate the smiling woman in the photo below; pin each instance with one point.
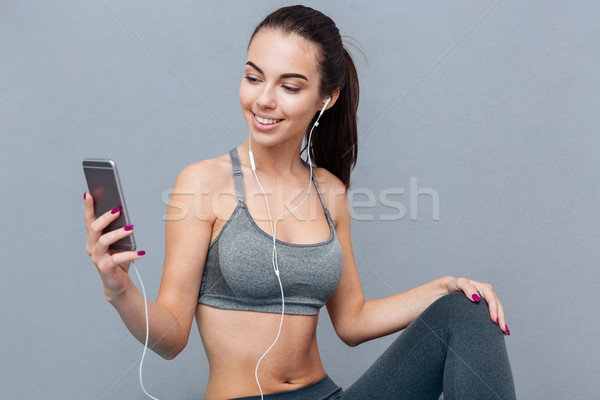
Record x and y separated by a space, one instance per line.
279 94
257 287
282 90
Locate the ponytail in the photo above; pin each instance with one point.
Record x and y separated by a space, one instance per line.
334 142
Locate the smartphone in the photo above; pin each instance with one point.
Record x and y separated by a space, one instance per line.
105 187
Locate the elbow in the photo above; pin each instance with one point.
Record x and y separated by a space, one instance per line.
348 323
171 353
350 339
351 342
350 333
170 356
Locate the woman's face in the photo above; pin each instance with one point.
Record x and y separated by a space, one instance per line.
279 93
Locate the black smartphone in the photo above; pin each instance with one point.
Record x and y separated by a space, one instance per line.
105 187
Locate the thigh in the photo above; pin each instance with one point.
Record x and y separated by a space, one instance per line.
452 345
410 368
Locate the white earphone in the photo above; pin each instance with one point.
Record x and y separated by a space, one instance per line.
274 229
327 101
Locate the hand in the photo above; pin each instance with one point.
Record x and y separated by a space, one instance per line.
477 290
112 266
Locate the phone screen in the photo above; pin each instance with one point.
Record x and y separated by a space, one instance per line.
105 187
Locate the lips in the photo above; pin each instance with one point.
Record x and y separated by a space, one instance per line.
266 121
265 124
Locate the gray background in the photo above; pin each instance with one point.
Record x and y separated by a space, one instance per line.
494 105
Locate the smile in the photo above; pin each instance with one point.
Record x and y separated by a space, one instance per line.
266 121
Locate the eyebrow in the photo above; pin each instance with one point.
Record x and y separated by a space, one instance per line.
282 76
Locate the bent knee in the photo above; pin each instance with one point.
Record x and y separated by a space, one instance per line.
457 307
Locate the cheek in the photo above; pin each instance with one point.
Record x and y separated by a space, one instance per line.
248 94
244 96
296 107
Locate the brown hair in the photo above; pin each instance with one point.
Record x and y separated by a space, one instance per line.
334 143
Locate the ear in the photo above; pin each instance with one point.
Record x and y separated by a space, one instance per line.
334 96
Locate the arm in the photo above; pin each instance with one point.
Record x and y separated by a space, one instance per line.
356 320
188 230
381 317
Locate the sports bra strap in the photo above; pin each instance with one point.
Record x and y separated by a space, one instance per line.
238 181
316 186
236 170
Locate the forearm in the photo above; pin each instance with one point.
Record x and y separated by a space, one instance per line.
166 337
384 316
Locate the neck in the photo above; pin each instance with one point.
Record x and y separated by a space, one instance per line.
280 160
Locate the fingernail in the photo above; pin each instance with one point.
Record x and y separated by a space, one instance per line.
507 330
115 210
128 227
84 193
475 297
497 320
141 253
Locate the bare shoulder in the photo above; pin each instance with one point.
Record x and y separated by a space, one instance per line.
199 186
205 174
334 193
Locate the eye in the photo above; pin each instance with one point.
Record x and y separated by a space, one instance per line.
251 79
291 89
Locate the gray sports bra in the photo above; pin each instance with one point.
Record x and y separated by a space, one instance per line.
238 273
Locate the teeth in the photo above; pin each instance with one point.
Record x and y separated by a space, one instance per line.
265 121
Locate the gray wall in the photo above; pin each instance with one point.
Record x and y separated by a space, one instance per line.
492 105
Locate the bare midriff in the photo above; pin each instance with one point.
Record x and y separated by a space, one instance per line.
235 340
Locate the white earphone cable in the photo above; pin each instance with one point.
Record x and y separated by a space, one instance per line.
147 330
274 232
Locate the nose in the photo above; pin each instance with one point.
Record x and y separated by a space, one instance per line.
267 98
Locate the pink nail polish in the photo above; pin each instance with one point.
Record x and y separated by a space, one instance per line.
507 330
141 253
115 210
475 297
497 320
128 227
84 193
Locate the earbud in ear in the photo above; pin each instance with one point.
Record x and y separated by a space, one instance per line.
327 101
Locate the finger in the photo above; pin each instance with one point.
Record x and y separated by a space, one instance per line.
109 238
89 217
125 257
502 319
88 208
473 292
496 308
493 302
96 227
99 224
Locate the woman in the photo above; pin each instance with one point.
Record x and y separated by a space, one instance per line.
249 276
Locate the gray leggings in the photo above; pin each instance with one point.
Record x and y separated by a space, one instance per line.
453 346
